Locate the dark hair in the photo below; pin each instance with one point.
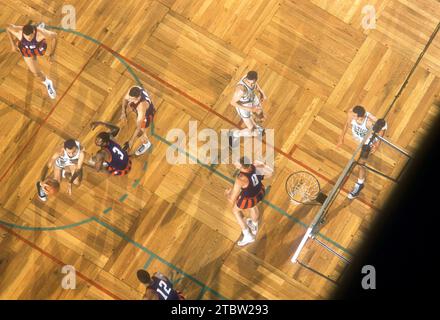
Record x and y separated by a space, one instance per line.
135 92
104 136
359 110
28 29
378 126
252 75
245 162
69 144
143 276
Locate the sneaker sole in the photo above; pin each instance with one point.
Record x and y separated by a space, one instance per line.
242 245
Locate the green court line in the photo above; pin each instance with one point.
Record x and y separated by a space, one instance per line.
276 208
145 166
267 191
121 234
151 253
147 264
123 197
107 210
178 280
15 226
201 294
135 183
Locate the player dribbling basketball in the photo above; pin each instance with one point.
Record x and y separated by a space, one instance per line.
67 162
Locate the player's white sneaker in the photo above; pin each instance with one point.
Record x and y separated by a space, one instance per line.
252 226
356 191
41 194
143 148
248 238
50 88
41 25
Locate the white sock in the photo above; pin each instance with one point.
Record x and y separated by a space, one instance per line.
254 223
246 232
361 181
236 134
46 81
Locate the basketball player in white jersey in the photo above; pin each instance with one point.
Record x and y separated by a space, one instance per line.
361 122
67 162
247 100
140 103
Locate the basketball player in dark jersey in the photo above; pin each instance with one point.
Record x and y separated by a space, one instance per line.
247 192
140 103
32 44
112 156
159 287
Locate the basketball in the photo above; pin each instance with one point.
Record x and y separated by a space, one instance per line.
51 186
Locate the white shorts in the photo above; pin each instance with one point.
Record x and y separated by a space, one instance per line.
244 114
60 163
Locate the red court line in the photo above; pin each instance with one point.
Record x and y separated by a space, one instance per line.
47 117
209 109
59 262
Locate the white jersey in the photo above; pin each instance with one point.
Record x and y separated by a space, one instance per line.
249 99
65 160
360 130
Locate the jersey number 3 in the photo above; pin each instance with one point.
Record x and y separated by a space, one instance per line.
116 150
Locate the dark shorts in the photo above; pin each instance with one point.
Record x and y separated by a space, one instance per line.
40 51
116 172
365 152
250 202
149 115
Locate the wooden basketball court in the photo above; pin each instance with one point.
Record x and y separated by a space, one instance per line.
315 61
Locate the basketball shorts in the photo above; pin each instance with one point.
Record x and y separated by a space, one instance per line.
250 202
60 163
39 51
115 172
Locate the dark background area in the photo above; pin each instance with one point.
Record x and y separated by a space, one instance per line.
403 242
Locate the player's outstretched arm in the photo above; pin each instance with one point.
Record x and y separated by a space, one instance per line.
13 31
266 170
52 36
